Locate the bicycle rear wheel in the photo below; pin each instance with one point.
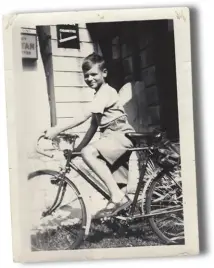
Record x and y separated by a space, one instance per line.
164 199
60 226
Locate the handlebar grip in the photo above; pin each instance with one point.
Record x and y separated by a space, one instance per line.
43 152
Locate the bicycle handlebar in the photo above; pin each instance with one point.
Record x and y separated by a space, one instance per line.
55 143
40 150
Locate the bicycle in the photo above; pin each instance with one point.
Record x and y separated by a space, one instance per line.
158 197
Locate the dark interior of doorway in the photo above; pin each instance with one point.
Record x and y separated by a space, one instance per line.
162 48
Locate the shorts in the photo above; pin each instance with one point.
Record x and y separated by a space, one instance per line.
113 143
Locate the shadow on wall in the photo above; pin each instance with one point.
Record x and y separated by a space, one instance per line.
29 65
133 97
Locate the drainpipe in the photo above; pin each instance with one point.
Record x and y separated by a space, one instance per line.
44 37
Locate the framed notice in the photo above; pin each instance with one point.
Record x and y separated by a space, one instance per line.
29 46
68 36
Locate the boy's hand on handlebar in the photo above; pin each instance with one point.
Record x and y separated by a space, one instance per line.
51 133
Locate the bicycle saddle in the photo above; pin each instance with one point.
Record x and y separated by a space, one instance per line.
137 135
150 138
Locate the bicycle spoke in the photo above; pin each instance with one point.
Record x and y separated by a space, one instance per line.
166 209
169 224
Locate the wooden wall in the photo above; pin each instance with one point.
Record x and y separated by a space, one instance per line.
71 92
33 86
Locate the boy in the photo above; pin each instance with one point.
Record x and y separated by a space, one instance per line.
108 114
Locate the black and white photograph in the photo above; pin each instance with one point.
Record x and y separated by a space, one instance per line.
102 118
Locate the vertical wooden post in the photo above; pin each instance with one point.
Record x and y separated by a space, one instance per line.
44 37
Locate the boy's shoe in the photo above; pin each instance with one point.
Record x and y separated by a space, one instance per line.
123 204
105 212
113 208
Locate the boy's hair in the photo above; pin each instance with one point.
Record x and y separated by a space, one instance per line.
91 60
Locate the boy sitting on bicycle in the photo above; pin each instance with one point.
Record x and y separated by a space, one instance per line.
108 114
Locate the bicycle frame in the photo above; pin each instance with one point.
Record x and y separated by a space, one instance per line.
140 185
144 198
90 181
100 189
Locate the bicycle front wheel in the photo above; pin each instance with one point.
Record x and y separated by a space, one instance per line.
164 203
57 212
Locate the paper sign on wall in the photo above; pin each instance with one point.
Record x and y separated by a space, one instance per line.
29 46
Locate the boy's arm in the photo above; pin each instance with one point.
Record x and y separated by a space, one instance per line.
54 131
89 134
97 106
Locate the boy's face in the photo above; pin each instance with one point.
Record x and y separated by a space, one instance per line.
95 77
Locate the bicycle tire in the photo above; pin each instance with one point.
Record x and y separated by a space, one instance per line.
167 236
39 240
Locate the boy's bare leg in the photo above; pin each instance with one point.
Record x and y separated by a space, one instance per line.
90 156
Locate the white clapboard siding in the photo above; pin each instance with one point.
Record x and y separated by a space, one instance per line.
79 129
80 25
73 94
70 109
28 30
84 35
67 79
67 64
85 50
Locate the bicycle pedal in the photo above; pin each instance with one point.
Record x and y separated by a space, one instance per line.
104 219
123 213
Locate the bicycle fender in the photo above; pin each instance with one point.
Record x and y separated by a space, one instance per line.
88 212
146 188
144 193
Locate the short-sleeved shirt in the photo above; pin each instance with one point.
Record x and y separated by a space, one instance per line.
112 143
106 102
